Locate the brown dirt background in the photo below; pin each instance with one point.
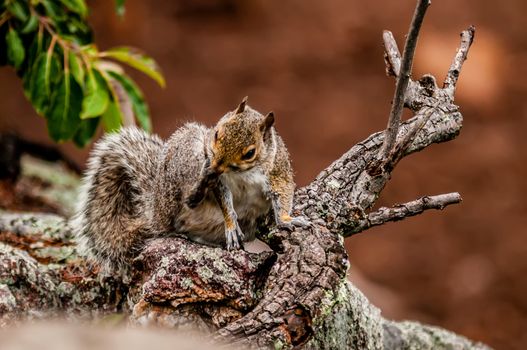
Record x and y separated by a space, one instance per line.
319 66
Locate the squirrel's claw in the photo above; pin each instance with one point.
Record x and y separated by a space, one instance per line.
298 221
287 226
234 238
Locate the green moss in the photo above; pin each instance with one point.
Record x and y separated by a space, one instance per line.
187 283
278 344
65 289
161 272
165 261
63 183
7 300
56 254
205 273
418 336
220 265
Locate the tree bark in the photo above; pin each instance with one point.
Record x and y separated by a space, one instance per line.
295 296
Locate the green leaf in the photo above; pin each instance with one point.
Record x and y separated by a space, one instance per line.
111 119
32 55
85 132
119 7
15 48
31 25
139 105
34 84
54 11
76 68
77 6
40 86
90 50
77 26
63 116
137 60
19 10
51 70
96 98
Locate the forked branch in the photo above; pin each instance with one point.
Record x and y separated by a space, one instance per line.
342 193
403 211
402 81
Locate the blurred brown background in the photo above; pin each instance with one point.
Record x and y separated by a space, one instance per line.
319 66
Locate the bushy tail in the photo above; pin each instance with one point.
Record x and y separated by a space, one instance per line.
111 221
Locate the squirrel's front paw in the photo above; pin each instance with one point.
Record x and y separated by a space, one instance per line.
289 223
234 237
300 221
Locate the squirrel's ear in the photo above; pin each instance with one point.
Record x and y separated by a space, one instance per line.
241 106
267 122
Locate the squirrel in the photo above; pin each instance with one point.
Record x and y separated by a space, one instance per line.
211 184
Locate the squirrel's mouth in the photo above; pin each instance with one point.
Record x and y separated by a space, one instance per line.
223 168
234 167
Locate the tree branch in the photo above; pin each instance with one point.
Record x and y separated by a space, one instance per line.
402 81
403 211
467 37
392 56
342 193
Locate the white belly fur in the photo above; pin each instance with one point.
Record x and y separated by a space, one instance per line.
248 193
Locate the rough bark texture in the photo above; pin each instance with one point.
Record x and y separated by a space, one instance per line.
41 275
296 296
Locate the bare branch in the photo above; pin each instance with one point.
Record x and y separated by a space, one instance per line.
467 37
345 188
403 211
392 56
342 193
402 80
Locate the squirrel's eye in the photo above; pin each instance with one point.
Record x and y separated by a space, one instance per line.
249 154
216 136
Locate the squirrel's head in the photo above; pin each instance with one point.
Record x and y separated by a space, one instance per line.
240 139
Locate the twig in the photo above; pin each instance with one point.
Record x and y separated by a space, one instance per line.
5 17
467 37
392 56
402 211
402 80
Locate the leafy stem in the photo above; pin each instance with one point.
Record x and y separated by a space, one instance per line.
66 78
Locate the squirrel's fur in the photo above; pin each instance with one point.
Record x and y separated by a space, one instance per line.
209 184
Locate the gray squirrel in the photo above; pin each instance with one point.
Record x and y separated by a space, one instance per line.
210 184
